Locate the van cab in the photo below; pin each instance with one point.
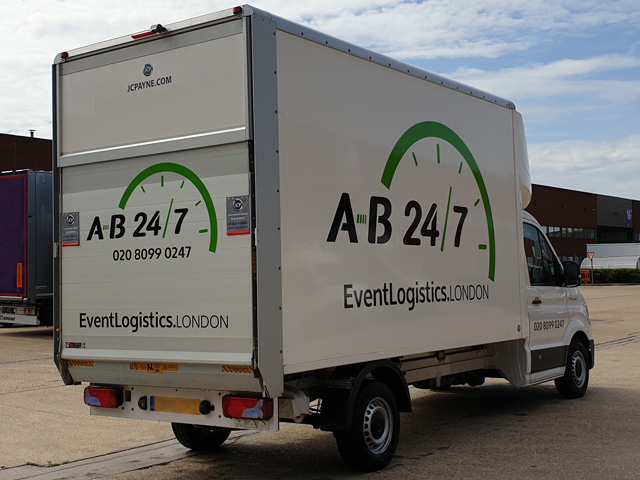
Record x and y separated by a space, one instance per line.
558 316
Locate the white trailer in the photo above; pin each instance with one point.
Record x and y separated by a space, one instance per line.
258 223
611 256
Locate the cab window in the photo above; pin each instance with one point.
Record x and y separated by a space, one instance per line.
541 264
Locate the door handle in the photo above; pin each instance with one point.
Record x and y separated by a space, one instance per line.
536 301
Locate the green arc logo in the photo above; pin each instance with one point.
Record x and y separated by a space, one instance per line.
188 175
424 130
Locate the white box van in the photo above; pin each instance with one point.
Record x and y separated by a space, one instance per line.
272 225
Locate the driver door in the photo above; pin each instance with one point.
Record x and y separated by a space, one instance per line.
547 302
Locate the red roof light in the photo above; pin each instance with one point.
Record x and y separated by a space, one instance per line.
142 34
157 28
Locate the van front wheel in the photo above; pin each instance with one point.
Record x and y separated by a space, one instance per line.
371 442
574 382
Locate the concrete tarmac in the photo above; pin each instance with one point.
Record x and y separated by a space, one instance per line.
42 421
494 431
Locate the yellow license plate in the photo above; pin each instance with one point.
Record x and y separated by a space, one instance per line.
189 406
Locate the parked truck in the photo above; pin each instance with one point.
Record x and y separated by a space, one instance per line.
26 248
258 223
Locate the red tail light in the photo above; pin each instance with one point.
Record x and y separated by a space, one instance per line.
107 397
247 408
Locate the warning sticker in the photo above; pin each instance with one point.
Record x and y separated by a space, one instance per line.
70 227
238 219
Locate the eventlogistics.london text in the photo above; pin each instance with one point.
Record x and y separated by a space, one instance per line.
152 320
420 293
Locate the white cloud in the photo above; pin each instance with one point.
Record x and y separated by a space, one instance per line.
563 77
607 167
457 28
572 98
36 30
558 93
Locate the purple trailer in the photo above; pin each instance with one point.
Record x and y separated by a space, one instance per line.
26 248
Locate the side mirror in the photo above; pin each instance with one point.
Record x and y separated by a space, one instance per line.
571 274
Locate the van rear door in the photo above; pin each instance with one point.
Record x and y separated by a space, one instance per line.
155 265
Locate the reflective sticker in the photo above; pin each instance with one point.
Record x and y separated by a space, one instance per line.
236 369
80 363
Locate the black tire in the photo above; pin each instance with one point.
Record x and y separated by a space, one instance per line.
371 442
574 382
200 438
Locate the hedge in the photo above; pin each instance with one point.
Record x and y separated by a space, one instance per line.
616 275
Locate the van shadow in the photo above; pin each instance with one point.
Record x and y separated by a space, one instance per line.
439 421
25 331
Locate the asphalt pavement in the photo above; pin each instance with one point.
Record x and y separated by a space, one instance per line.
494 431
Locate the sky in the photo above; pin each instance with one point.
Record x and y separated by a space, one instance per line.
572 67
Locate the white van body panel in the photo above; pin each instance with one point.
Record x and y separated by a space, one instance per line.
247 207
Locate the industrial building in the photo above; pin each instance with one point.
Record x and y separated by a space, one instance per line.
21 153
574 219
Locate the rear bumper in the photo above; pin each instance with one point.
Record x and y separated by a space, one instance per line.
18 319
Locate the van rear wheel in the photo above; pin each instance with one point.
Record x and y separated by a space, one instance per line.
200 438
574 382
371 442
